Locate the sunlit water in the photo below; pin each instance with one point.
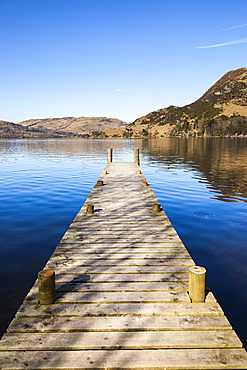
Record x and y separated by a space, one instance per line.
200 183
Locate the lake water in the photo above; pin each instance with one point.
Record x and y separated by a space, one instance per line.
200 183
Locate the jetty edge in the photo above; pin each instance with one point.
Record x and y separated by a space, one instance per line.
122 301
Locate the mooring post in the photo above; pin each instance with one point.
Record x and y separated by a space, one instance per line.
109 155
156 207
90 208
136 156
197 284
46 284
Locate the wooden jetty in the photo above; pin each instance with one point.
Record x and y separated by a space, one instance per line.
122 279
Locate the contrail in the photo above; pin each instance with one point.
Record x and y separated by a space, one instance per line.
233 28
239 41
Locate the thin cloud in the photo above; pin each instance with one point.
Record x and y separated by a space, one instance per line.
233 28
117 90
234 42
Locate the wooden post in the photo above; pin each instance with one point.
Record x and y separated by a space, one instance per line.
156 207
136 156
109 155
90 208
99 183
144 183
138 172
46 284
197 284
104 172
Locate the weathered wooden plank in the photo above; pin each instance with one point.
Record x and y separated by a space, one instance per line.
131 211
135 246
141 205
120 323
120 251
125 212
121 262
122 207
114 254
165 259
128 214
103 242
115 216
112 236
104 278
114 297
135 253
125 232
109 189
114 221
128 359
144 217
120 234
102 196
139 252
121 287
121 270
114 340
98 226
128 222
112 189
121 309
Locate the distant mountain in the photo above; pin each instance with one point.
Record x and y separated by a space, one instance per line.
64 127
15 130
222 110
76 126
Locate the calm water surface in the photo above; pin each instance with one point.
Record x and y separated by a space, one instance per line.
200 183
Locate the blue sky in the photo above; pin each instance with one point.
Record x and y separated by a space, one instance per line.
114 58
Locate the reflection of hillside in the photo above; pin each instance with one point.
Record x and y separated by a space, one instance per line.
222 161
74 147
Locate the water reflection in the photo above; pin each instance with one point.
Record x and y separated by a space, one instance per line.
222 162
65 148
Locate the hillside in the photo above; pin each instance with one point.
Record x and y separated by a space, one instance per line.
95 127
12 130
222 110
76 126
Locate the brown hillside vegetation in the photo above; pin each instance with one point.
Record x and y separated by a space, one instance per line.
76 126
221 111
15 130
95 127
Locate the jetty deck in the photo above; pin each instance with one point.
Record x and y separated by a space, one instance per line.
122 277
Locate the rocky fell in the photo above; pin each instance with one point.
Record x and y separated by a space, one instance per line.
222 110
